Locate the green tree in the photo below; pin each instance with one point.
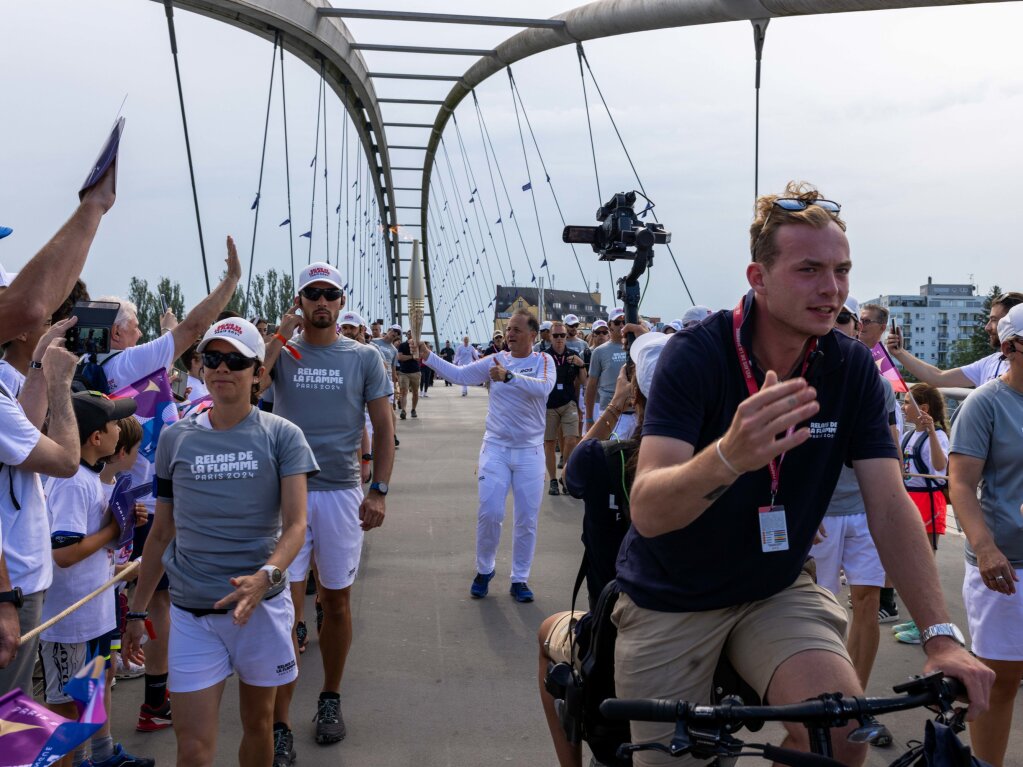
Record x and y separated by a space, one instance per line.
147 308
280 295
977 344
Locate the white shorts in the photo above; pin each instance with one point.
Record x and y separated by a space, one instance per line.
994 618
204 651
333 538
849 547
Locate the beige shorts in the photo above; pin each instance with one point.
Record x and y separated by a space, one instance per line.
558 644
409 381
674 655
562 421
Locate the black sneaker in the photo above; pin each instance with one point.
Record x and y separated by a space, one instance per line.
330 726
554 488
310 584
284 747
414 414
401 415
302 636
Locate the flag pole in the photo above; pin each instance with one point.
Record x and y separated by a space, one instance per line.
127 571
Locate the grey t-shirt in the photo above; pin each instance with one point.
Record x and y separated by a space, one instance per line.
988 427
605 362
325 394
387 350
577 345
847 498
226 491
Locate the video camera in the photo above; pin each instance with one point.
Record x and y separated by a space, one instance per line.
619 230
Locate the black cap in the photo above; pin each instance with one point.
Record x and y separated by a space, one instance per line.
94 411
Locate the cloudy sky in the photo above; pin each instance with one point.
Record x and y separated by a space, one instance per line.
909 118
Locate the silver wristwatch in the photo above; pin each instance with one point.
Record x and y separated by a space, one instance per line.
942 630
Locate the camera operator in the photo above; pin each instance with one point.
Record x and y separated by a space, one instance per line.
750 418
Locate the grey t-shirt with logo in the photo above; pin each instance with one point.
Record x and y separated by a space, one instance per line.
605 362
989 426
387 350
226 491
325 394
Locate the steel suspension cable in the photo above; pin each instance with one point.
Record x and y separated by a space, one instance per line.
341 188
493 184
471 177
447 209
529 177
632 165
326 156
458 200
262 163
287 170
314 163
169 8
457 257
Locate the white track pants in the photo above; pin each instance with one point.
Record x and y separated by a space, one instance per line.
522 470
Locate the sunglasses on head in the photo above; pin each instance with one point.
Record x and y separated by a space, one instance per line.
313 294
234 360
794 204
559 335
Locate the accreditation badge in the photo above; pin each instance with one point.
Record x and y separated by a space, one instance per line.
774 532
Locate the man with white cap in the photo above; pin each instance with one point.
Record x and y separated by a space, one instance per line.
323 382
387 348
605 362
670 328
231 489
466 354
511 456
695 315
544 344
573 341
985 452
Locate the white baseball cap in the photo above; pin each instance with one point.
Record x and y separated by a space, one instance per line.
645 351
318 271
694 314
396 328
1011 324
598 324
545 326
615 314
852 306
352 318
676 325
571 319
241 334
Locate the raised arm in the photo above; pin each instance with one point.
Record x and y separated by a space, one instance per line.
922 370
196 322
290 322
46 281
58 451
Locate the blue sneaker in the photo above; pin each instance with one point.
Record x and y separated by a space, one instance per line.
481 585
521 592
120 758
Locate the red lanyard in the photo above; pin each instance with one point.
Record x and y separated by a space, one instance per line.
774 467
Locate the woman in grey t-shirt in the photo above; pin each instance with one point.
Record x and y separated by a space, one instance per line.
987 450
230 517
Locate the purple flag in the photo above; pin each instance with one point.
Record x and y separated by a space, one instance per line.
155 408
887 368
33 736
122 506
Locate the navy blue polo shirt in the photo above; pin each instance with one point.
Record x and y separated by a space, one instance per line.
717 560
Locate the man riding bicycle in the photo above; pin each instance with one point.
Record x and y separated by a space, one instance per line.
750 418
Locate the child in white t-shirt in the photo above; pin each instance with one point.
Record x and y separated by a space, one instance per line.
82 533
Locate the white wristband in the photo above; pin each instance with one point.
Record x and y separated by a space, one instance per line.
724 460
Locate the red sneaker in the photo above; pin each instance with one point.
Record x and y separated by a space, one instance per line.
153 719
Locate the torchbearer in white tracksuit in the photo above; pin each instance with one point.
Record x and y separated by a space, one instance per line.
465 354
512 452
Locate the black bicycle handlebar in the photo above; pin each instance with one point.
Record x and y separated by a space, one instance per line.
926 691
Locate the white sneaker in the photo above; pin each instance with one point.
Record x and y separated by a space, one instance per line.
128 670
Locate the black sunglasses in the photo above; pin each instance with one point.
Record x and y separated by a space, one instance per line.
617 322
558 335
313 294
234 360
844 317
600 332
793 204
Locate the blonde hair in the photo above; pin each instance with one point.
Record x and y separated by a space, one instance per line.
769 218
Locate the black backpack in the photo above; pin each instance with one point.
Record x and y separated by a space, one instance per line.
579 689
90 376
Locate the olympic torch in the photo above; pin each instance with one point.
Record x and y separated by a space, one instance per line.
416 294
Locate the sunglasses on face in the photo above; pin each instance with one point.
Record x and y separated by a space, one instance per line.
600 332
235 361
844 317
617 322
866 321
558 335
313 294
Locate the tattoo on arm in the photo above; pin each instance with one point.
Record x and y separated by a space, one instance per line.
716 493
